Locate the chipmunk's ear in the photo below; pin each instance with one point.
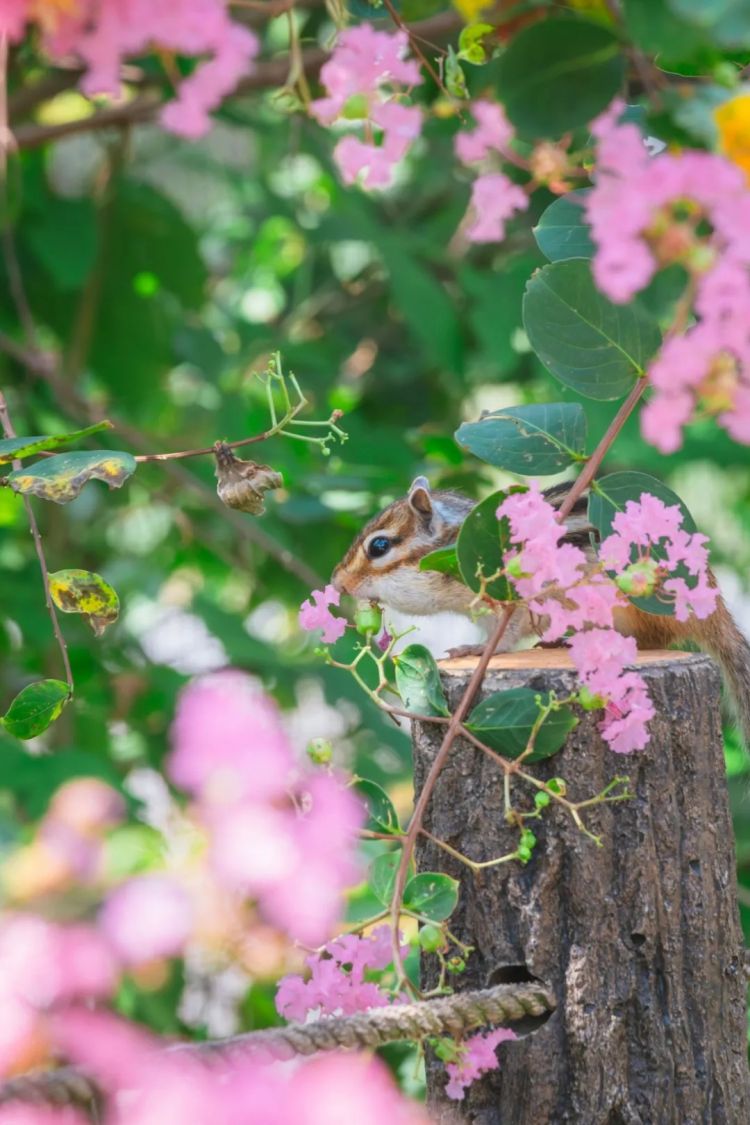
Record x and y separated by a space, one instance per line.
419 497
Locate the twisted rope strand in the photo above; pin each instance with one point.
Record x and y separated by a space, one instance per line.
454 1015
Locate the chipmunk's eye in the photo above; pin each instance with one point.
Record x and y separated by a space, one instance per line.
378 547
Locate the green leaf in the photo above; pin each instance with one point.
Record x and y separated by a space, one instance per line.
493 310
586 341
34 708
558 74
382 816
482 542
726 22
425 305
432 895
504 721
15 449
382 875
562 232
61 478
661 32
610 494
82 591
541 439
444 560
63 237
418 681
471 42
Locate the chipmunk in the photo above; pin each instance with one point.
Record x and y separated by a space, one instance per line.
382 565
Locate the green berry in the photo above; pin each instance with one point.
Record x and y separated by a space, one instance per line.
431 938
367 618
320 751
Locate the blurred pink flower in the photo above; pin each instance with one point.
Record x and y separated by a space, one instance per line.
363 61
228 742
170 1088
147 917
315 614
309 902
478 1057
492 133
19 1114
104 35
494 200
86 805
366 68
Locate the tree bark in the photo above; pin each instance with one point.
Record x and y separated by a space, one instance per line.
639 938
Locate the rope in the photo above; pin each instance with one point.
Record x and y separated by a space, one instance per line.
454 1015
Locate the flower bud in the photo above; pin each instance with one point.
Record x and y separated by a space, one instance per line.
513 568
639 580
368 618
589 701
320 751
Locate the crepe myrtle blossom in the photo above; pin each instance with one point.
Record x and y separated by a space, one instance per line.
552 577
315 614
647 524
475 1057
493 133
692 208
337 985
143 1084
44 965
494 200
365 75
103 35
278 830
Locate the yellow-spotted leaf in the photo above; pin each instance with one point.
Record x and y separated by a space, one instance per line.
17 448
61 478
34 708
82 591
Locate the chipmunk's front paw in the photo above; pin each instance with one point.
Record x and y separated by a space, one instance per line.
464 650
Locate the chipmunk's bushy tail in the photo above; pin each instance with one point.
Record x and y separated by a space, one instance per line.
721 637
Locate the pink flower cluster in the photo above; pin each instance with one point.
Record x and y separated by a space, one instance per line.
477 1057
315 614
284 837
494 197
365 73
144 1084
649 524
102 35
337 984
551 577
645 212
42 965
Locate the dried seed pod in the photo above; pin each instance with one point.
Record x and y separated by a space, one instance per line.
241 484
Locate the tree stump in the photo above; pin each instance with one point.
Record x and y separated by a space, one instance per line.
639 939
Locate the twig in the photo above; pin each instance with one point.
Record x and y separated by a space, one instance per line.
415 824
9 432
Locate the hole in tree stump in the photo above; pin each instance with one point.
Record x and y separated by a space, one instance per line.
519 974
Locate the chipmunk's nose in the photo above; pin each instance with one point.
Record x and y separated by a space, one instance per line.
337 581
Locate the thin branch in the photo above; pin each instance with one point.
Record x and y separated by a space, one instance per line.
415 825
9 432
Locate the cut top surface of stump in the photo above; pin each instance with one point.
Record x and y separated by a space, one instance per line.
541 658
